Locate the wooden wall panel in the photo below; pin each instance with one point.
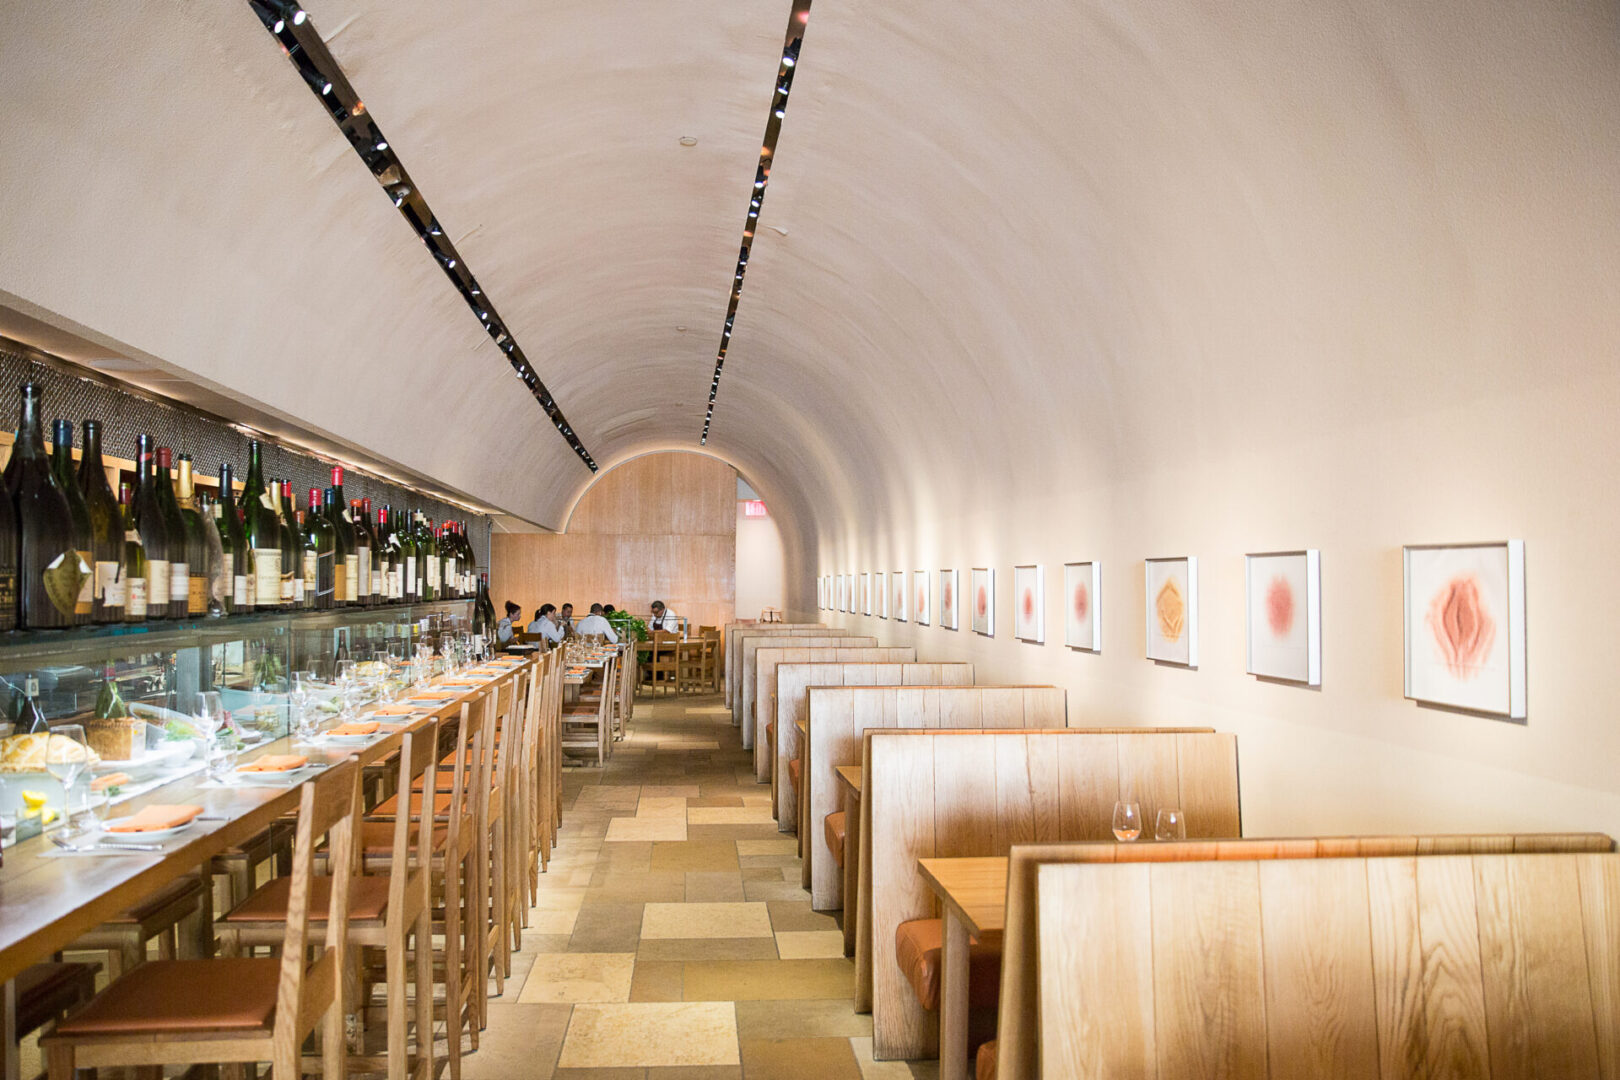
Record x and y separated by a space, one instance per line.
658 527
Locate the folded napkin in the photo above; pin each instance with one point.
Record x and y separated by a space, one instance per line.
275 763
429 695
154 818
117 779
396 710
462 682
361 727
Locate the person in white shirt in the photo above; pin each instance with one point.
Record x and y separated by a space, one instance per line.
663 618
545 626
596 623
566 620
504 630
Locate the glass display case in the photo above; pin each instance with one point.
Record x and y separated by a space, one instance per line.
133 688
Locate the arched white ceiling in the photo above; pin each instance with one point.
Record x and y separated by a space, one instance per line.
1028 246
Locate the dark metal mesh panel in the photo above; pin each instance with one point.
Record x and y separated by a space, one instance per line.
125 416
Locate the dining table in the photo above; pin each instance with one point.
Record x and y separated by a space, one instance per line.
972 895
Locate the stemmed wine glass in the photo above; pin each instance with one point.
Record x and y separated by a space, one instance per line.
1171 824
300 694
66 755
348 676
1127 821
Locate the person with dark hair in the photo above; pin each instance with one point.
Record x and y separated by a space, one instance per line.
663 618
566 620
503 629
608 610
545 625
596 623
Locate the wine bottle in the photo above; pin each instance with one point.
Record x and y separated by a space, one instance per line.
153 529
62 469
428 556
379 558
484 611
262 528
134 566
340 561
392 588
234 539
363 553
449 561
106 529
351 542
179 566
324 535
308 567
10 553
196 542
292 548
48 585
219 578
410 571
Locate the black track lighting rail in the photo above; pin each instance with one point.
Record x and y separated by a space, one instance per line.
294 31
798 18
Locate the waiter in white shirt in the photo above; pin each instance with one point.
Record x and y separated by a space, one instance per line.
596 623
545 625
663 618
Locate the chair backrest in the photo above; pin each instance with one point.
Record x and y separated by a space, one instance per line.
327 808
627 686
1489 966
768 662
1017 1040
418 760
751 643
932 794
729 647
841 716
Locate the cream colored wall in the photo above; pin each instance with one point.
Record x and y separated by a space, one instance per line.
761 571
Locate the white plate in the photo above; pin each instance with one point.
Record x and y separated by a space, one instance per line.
328 736
142 837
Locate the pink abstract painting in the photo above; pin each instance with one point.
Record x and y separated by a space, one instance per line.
1082 583
948 617
1465 627
1029 618
984 602
1284 590
919 595
897 582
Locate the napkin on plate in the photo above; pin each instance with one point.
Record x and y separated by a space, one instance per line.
275 763
360 727
397 710
156 817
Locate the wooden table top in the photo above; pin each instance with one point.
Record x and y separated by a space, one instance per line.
851 775
48 903
975 889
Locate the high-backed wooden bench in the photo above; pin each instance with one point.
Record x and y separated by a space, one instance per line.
729 634
839 719
793 681
769 658
749 645
1016 1045
934 794
1502 967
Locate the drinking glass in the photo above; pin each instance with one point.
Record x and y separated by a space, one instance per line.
300 694
66 755
1127 821
1171 824
347 676
222 755
208 709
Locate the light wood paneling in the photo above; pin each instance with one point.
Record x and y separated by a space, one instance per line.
749 642
768 698
733 678
658 527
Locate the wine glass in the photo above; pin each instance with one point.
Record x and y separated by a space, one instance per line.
300 694
1171 824
208 709
1127 821
66 755
347 677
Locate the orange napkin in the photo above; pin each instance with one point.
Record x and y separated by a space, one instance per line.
428 695
275 763
362 727
462 682
102 783
153 818
397 710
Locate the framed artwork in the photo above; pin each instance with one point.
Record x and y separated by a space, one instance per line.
984 601
821 594
919 596
1284 590
1465 628
1029 604
897 582
866 593
947 600
1172 611
1082 605
880 596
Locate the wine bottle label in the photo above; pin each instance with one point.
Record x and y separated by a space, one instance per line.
289 590
376 582
179 583
395 589
197 596
449 573
241 592
230 568
131 536
340 584
266 577
114 590
433 572
135 598
8 594
106 576
410 575
87 587
157 582
351 578
312 565
268 503
363 563
300 589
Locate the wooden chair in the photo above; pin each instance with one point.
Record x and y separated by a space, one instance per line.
1016 1047
711 656
389 912
185 901
1488 966
236 1011
586 726
688 665
38 997
626 706
663 663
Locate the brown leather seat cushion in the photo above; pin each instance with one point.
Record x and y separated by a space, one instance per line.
179 891
368 900
390 806
984 1066
45 991
237 994
770 732
918 945
377 837
793 773
835 836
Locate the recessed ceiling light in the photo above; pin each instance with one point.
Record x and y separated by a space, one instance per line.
688 140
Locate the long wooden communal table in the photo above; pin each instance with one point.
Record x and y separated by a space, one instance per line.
48 903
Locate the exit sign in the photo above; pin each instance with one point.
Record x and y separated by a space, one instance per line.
755 508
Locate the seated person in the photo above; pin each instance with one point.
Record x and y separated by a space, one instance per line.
566 620
545 625
503 629
596 623
663 618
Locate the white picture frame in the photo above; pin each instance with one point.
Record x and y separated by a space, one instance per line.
950 600
1171 610
880 594
866 592
1465 627
1029 604
984 600
1283 591
1082 606
919 597
897 601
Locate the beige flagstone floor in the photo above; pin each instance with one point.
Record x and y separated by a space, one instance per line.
671 940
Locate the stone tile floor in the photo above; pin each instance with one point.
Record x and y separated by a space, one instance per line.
671 940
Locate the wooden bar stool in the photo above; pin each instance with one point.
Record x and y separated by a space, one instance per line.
710 635
158 917
663 667
586 726
390 912
235 1011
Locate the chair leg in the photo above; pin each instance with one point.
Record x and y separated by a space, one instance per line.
59 1062
452 966
394 963
424 995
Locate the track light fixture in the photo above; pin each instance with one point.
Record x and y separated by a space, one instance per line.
317 82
